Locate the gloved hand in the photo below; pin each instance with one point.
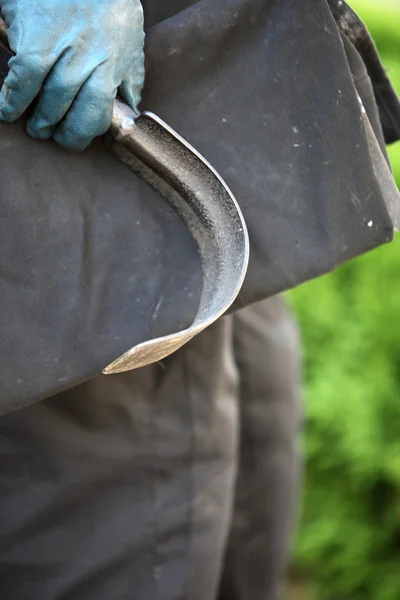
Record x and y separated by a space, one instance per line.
72 55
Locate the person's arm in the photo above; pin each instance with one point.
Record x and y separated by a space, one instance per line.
72 57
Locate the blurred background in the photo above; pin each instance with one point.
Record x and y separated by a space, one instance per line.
348 544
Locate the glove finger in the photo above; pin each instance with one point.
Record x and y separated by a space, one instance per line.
131 87
90 114
58 94
22 84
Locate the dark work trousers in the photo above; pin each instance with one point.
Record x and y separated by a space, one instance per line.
267 357
177 481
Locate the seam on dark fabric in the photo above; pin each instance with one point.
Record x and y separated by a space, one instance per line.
381 104
231 547
153 521
358 80
191 477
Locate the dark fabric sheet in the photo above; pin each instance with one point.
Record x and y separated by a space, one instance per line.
264 89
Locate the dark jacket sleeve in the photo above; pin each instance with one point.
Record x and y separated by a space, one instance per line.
356 34
92 261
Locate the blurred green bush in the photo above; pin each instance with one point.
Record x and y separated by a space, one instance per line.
349 540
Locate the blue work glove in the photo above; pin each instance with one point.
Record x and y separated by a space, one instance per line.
73 56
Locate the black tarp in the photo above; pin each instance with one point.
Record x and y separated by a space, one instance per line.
268 92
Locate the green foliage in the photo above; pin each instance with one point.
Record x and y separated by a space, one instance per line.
349 542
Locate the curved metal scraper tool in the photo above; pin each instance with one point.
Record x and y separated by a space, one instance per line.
198 194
